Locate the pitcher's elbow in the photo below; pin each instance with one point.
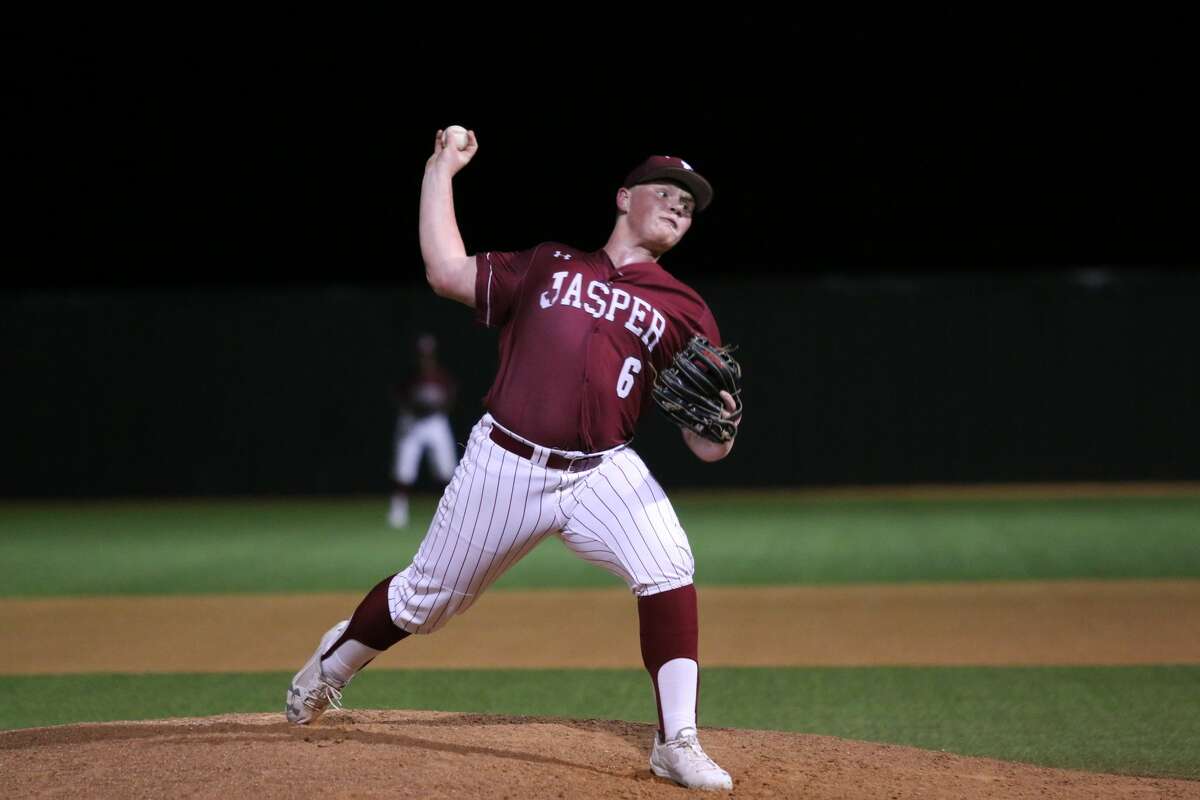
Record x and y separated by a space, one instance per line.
436 280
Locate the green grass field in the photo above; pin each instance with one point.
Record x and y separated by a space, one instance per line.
1134 720
343 545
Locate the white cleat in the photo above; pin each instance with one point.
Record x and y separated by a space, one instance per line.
683 760
312 691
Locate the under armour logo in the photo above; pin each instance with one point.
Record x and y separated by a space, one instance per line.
562 255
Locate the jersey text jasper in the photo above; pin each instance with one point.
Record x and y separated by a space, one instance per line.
651 327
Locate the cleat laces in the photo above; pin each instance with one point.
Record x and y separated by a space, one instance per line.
688 744
323 695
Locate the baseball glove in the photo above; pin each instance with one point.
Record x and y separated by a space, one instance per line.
688 391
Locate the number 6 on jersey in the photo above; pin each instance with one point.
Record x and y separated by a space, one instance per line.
631 367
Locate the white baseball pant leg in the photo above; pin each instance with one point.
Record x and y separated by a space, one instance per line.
620 519
498 506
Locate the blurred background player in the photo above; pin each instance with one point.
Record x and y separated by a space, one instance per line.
423 401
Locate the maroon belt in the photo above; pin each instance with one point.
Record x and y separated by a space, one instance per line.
553 461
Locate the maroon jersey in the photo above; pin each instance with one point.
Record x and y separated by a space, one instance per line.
430 391
581 341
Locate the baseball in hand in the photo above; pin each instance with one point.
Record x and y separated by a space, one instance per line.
455 135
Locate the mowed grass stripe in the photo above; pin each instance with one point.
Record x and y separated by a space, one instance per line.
1132 720
266 546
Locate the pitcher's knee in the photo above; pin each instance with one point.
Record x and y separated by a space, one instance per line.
421 604
661 585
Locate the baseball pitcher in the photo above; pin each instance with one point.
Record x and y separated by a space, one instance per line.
588 340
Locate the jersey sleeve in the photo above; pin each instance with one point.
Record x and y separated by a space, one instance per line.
498 279
700 321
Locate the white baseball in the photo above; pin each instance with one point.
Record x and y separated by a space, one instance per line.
456 135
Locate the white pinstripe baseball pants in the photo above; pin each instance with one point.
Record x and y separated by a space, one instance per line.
499 506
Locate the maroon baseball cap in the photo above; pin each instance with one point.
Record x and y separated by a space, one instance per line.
675 169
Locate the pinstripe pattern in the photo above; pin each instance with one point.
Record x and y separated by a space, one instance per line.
623 522
499 506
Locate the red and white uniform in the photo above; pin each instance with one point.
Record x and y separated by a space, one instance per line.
423 426
580 342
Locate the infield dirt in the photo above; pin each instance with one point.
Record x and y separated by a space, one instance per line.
996 623
367 754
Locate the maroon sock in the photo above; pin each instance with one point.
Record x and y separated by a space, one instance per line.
670 628
372 622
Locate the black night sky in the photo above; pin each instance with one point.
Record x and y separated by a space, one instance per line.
292 152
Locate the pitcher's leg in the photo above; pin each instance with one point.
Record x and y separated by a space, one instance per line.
670 633
370 632
623 522
495 510
619 518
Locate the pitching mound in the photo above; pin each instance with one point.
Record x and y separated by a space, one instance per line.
442 755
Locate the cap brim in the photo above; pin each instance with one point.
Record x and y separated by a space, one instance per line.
700 188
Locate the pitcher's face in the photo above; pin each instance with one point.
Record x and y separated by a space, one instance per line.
660 213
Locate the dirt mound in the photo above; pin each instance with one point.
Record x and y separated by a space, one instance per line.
443 755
